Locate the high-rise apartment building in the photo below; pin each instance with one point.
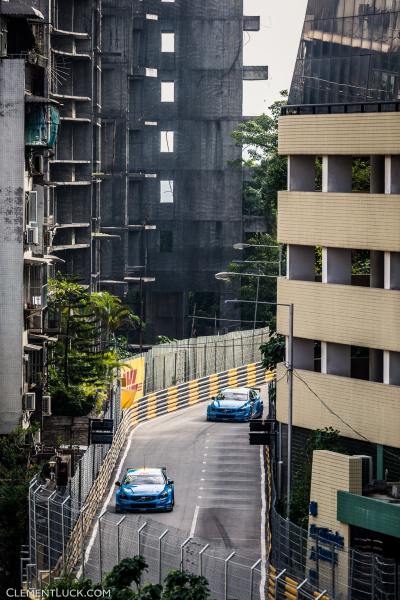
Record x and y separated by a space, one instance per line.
29 123
171 96
341 228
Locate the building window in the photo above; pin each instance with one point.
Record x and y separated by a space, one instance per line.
166 141
166 241
166 191
167 42
150 72
167 91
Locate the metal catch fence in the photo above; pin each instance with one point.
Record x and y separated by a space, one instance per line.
232 575
325 567
54 515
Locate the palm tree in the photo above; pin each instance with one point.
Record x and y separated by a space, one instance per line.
113 315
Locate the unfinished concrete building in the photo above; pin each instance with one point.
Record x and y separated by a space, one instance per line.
75 82
171 96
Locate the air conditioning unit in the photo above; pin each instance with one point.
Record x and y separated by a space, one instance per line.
46 406
32 235
29 401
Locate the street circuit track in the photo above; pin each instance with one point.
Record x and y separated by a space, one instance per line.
218 492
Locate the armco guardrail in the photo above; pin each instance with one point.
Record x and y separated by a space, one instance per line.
65 548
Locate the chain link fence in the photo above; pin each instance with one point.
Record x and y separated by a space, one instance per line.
54 513
113 537
183 360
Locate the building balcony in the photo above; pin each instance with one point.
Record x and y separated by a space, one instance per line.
365 221
374 514
342 314
340 134
371 409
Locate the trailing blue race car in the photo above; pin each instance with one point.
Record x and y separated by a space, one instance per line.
145 490
236 404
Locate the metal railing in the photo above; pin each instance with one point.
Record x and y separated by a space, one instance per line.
339 108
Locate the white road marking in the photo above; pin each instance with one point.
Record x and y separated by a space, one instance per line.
204 462
194 522
109 496
263 526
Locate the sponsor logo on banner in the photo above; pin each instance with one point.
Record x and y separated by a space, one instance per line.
132 376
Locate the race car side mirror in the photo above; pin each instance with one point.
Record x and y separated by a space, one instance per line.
170 481
118 483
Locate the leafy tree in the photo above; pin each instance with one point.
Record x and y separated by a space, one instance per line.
113 315
81 364
259 140
273 351
16 471
128 573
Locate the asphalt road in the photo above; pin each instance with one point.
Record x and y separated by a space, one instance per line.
217 477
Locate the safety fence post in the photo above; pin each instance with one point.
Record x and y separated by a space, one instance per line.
277 579
119 540
82 542
139 535
322 594
300 586
49 533
101 544
252 569
201 559
160 539
63 530
185 543
232 554
35 525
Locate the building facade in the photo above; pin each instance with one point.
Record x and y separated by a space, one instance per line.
172 95
340 219
29 123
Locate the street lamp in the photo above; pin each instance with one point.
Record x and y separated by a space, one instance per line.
226 276
140 280
290 390
243 245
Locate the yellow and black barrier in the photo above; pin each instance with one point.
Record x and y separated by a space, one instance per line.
287 587
198 390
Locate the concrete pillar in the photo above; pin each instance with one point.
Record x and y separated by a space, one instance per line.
377 273
377 180
391 367
337 173
303 354
336 265
392 174
301 262
301 174
392 271
335 359
391 360
376 365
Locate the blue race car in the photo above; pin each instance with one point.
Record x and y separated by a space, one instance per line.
236 404
145 490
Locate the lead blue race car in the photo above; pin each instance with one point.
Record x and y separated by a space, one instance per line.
236 404
145 490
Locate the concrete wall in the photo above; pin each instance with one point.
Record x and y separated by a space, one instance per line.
370 409
356 133
331 472
12 122
339 220
343 314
